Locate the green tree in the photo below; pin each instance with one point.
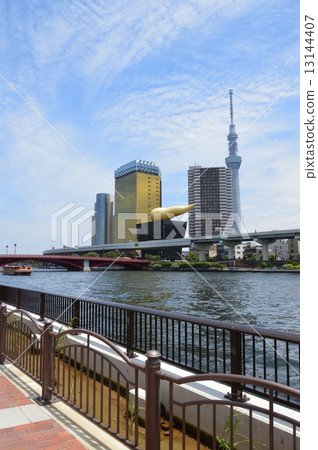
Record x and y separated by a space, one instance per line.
193 257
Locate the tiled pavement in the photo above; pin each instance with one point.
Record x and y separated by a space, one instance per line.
26 425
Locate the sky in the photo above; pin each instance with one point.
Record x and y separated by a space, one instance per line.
87 86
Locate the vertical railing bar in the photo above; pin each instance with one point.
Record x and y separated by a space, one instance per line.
192 343
186 342
243 354
231 427
63 372
118 402
127 413
271 420
287 368
251 429
275 361
167 339
198 427
109 393
156 333
170 415
94 386
264 362
200 347
75 375
101 389
81 379
215 351
173 341
207 349
179 342
87 375
214 426
69 374
151 326
161 335
183 427
224 350
137 405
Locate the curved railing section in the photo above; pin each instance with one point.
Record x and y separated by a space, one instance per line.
21 342
196 344
252 424
126 397
86 377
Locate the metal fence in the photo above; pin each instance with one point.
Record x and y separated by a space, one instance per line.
83 375
197 344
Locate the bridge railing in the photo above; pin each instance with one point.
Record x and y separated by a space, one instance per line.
197 344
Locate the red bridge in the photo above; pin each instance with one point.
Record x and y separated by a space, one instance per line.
78 262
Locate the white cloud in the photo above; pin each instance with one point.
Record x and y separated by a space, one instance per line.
146 80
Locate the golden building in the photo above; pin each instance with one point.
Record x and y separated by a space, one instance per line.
137 193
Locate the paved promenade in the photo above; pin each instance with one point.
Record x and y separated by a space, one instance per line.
24 424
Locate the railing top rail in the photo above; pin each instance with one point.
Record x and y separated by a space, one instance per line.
231 378
248 329
100 338
25 314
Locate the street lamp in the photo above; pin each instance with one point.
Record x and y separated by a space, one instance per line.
15 249
7 249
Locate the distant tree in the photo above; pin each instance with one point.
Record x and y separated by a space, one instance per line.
193 256
91 254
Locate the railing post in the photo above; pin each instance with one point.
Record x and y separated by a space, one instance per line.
130 333
236 366
3 323
42 306
47 361
152 401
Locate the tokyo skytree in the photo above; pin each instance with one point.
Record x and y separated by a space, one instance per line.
233 161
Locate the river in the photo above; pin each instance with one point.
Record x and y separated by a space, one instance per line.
269 300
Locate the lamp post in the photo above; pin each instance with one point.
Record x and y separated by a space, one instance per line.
15 249
53 250
7 249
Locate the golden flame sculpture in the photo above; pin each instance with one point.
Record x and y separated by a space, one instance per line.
170 212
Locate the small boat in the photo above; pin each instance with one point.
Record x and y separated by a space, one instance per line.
17 270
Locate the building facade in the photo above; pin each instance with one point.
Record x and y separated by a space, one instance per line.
279 249
137 193
103 221
211 191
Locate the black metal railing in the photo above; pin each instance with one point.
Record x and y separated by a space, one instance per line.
198 344
107 390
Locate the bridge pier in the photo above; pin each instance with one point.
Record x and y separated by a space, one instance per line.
265 243
86 267
201 249
231 247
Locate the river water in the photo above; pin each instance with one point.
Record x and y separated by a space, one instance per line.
264 299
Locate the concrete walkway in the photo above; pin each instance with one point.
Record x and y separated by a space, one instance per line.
24 424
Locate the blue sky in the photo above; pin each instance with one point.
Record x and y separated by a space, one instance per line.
86 86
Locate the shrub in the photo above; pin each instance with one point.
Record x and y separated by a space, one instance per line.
155 265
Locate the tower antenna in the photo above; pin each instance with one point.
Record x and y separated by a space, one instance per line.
231 105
